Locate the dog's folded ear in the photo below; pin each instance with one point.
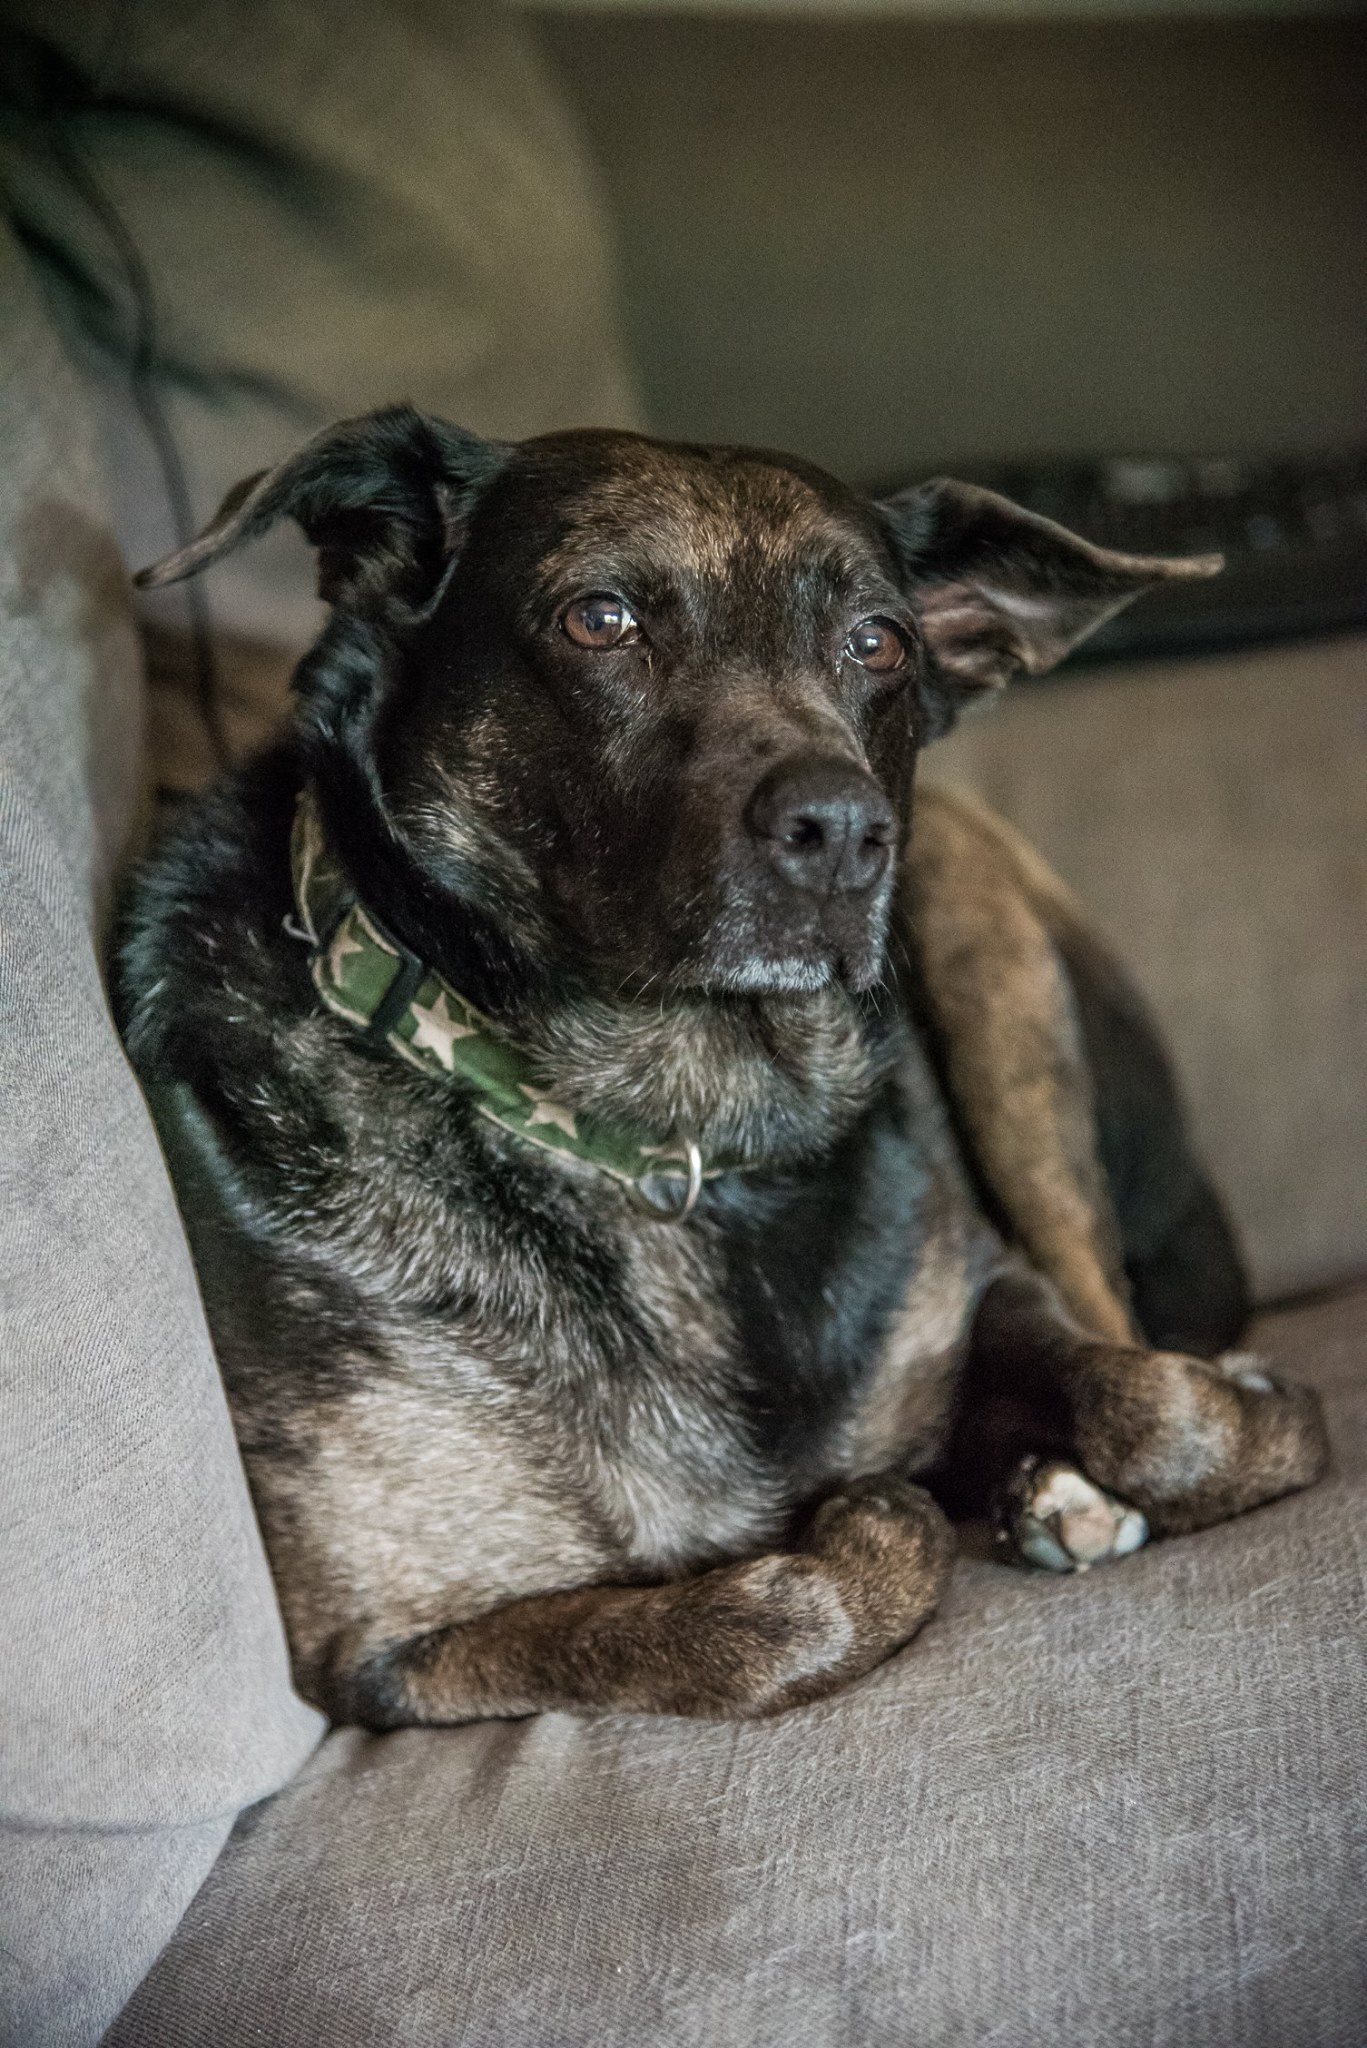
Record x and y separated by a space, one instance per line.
1003 592
382 497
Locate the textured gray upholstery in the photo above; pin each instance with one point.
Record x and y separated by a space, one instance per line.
1127 1809
144 1692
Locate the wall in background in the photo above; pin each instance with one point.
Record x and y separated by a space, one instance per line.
889 243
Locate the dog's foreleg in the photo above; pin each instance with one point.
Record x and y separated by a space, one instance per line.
1186 1441
739 1641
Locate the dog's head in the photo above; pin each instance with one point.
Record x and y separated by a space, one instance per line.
647 713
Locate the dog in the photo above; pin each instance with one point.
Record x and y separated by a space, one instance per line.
642 1167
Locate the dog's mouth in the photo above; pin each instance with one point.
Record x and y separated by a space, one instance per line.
783 976
739 931
802 894
747 902
743 955
789 974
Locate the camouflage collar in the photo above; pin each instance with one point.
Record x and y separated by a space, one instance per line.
363 974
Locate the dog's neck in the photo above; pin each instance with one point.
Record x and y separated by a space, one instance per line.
756 1081
761 1080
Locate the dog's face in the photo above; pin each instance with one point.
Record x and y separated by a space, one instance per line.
678 690
655 709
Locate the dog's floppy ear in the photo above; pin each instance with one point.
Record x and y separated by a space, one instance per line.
381 497
1001 591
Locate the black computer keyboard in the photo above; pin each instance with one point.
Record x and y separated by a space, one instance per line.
1293 534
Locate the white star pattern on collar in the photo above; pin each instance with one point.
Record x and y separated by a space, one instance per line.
544 1111
437 1030
341 948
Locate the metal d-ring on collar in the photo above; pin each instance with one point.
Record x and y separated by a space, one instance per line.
685 1155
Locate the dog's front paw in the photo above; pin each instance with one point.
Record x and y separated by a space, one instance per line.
1053 1516
876 1516
1193 1441
889 1546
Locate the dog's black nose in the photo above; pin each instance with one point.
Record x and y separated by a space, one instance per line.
824 825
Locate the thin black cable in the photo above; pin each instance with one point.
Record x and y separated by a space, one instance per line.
142 365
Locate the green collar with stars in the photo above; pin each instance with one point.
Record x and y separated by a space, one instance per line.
363 974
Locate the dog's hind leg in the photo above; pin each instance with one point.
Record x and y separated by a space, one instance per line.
1067 1104
1188 1290
1184 1440
739 1641
986 979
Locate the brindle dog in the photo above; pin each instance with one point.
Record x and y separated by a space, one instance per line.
617 738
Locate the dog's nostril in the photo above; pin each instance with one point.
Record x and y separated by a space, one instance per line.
824 825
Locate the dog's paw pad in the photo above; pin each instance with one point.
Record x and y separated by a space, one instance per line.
1055 1517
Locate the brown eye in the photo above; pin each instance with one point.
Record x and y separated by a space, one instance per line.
598 622
876 645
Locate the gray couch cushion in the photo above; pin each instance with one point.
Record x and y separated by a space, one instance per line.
1212 816
338 206
144 1690
1129 1809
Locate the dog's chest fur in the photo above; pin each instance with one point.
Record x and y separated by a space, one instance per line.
449 1396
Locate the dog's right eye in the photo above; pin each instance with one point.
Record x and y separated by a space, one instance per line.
599 621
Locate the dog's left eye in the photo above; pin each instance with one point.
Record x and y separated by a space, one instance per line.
876 645
599 621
